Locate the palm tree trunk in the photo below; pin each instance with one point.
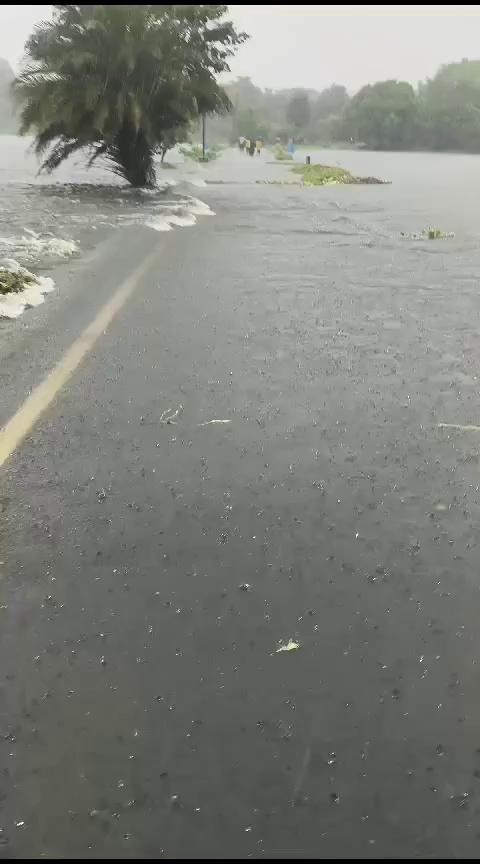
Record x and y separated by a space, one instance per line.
134 156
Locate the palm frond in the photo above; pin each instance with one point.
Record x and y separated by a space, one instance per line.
98 151
59 153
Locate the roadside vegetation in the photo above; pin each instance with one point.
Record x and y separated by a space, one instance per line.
123 82
196 154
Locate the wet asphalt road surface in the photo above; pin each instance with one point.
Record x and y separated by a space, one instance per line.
151 569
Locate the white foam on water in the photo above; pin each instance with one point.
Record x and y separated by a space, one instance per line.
167 184
33 245
47 285
179 214
13 305
165 223
185 221
60 248
170 206
200 208
158 223
196 181
33 296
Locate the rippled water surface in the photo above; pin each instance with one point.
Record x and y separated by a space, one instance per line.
37 211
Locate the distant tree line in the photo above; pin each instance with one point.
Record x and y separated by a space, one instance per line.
306 115
442 113
7 114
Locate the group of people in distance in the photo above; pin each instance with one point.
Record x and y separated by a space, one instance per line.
250 145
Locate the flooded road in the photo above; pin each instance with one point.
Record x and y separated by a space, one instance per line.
239 551
48 218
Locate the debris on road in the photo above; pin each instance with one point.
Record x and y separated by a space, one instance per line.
212 422
459 426
175 800
296 799
427 234
170 415
291 645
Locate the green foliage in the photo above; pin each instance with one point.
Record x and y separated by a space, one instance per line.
449 108
8 121
332 101
122 81
444 114
297 112
171 137
281 154
383 116
13 283
249 121
264 113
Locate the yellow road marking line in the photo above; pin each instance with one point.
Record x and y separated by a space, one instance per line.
13 433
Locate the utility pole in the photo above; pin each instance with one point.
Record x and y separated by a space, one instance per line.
203 137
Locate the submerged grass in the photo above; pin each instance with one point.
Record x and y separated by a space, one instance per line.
427 234
322 175
13 283
328 175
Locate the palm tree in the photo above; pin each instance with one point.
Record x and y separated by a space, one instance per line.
119 81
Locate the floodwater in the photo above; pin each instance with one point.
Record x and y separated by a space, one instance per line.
438 189
46 218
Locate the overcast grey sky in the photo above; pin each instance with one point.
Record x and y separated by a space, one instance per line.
313 46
